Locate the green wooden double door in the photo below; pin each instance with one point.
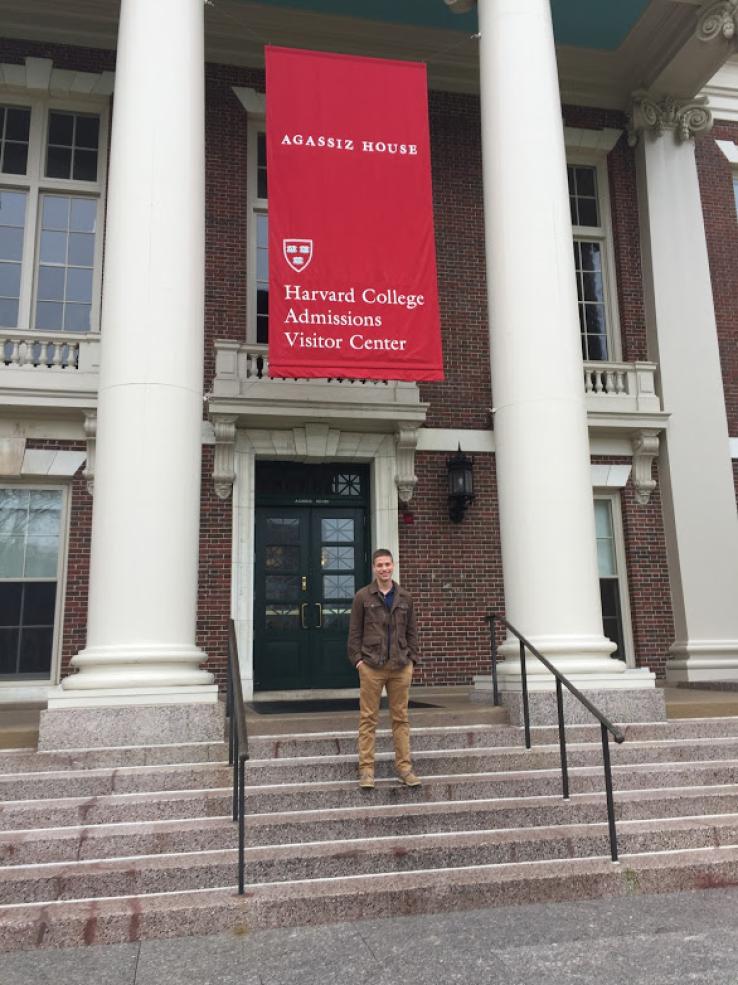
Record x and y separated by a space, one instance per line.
310 560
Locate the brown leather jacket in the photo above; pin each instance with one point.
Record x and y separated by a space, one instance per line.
370 619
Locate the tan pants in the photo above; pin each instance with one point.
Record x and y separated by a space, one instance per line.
372 682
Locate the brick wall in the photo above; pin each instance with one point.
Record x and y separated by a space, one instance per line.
721 230
454 571
214 588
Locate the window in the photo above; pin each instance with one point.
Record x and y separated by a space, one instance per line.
258 303
52 164
593 260
31 528
735 192
613 584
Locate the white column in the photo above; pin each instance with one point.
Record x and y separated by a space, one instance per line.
542 448
695 468
145 530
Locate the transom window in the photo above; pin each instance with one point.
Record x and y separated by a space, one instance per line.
52 163
596 303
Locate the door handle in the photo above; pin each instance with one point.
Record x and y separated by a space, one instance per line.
320 615
303 624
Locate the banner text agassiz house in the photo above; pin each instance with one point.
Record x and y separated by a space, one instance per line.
530 256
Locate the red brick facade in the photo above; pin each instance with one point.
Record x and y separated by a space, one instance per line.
453 570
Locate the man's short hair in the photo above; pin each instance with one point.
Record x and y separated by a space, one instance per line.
382 552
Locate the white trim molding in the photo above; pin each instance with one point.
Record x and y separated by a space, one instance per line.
38 75
730 150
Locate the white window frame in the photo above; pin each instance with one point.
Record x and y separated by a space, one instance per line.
36 184
616 513
589 148
61 581
255 105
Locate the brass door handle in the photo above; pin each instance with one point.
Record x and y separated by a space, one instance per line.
303 624
320 615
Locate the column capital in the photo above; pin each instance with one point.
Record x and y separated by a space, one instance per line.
719 20
685 118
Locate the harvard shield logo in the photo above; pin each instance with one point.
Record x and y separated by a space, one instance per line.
298 253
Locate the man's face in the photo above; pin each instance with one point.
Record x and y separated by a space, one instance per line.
384 568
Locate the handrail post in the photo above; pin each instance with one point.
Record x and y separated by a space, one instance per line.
526 709
493 638
241 823
608 793
562 739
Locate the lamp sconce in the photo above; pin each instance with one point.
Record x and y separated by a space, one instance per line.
460 485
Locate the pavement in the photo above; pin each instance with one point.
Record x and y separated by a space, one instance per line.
657 940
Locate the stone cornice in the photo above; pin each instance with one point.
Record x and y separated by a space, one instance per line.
684 118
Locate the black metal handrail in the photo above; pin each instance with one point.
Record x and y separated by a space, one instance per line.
561 681
238 746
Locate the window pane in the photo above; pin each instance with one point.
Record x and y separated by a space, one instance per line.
77 318
58 162
79 284
281 619
10 280
88 131
39 602
586 182
8 651
337 558
338 586
17 123
591 256
85 165
11 243
282 588
595 348
49 316
35 651
280 557
15 158
337 530
587 212
261 169
51 284
84 215
14 128
12 550
81 249
55 212
41 555
10 603
8 314
61 128
283 531
12 208
53 247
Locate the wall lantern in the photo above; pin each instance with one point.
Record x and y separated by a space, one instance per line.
460 485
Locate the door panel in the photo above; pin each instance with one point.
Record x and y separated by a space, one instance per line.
309 563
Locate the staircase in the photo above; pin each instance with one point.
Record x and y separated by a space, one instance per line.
122 844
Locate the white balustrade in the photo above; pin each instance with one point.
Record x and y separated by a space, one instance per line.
626 387
39 353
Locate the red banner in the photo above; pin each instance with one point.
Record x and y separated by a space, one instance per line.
352 265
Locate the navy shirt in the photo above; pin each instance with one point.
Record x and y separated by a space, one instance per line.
389 598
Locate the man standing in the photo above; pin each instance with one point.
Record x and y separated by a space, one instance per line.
383 646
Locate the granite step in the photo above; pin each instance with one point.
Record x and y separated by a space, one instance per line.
193 832
460 737
115 808
312 902
476 786
324 768
111 757
320 860
126 779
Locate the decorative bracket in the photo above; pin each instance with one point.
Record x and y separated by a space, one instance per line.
224 426
719 20
406 442
90 429
645 446
685 118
